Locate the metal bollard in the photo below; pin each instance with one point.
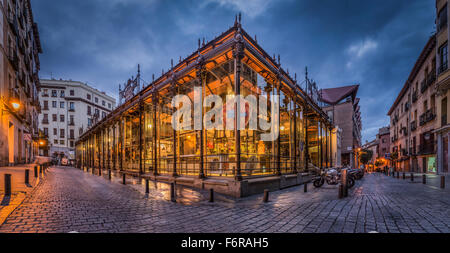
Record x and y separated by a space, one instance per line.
345 183
27 176
100 172
40 169
305 187
424 179
404 176
412 177
147 186
442 182
172 192
109 175
7 184
124 179
398 175
341 191
211 195
266 196
35 171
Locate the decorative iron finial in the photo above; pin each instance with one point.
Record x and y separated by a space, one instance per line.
203 44
256 39
180 59
153 77
295 77
199 43
279 60
162 72
306 72
139 70
171 62
235 20
240 18
287 71
274 58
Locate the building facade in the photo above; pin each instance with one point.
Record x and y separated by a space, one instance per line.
413 117
372 146
69 109
384 143
138 137
442 131
342 107
19 83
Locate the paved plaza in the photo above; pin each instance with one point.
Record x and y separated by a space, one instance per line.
71 200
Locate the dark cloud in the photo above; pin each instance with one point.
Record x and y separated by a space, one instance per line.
374 43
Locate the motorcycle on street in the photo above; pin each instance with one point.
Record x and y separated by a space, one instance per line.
332 177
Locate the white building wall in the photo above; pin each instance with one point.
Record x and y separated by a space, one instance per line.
83 97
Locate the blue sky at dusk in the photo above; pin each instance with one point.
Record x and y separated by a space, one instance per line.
373 43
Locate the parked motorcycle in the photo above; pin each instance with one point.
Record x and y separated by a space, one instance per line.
358 174
332 177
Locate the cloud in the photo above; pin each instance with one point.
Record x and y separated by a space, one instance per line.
251 8
360 49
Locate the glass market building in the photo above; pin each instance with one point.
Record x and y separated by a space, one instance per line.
137 138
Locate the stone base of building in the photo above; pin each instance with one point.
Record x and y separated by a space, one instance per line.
237 189
229 186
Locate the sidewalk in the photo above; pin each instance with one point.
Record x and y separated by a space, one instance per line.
432 180
19 189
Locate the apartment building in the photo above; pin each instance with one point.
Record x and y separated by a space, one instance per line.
442 88
69 108
384 142
413 116
342 107
19 83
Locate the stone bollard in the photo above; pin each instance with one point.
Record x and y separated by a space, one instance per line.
172 192
305 187
341 191
412 177
35 171
424 179
8 185
211 195
27 176
266 196
124 179
147 186
442 182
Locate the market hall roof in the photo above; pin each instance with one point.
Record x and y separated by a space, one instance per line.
334 95
185 70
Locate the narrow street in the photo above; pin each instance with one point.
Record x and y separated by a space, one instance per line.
70 200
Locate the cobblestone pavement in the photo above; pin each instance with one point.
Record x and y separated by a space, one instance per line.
70 200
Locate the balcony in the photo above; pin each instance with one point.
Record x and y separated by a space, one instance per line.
45 121
413 126
71 123
13 23
423 86
414 97
71 137
405 131
45 108
71 109
13 58
428 116
407 107
443 120
443 68
431 77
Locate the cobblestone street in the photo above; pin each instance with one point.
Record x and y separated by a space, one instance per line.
71 200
